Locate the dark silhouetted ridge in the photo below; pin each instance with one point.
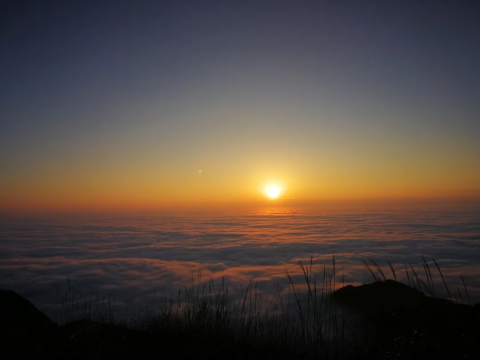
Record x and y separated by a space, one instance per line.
396 315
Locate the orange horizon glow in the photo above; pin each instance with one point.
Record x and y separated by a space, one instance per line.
132 204
141 186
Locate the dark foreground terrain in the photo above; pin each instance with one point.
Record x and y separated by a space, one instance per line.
392 321
26 333
402 322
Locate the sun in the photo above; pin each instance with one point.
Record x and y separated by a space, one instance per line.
272 189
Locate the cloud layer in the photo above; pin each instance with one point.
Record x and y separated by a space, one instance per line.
136 256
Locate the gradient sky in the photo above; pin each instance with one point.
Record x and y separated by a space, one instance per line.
119 104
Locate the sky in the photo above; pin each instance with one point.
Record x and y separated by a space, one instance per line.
157 104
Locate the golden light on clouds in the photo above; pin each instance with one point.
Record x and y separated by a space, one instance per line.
272 189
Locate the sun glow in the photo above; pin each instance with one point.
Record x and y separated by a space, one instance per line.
272 189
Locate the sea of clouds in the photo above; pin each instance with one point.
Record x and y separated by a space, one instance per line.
140 255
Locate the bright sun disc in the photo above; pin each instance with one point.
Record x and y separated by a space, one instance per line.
272 189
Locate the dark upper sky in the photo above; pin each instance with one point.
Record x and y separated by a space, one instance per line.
314 92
